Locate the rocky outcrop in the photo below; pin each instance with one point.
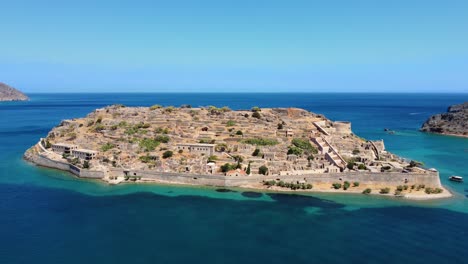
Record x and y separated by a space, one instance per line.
8 93
454 122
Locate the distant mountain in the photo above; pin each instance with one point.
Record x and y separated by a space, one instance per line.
8 93
454 122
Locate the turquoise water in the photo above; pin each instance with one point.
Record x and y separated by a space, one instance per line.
47 216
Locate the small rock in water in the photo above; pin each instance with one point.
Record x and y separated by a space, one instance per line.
222 190
252 194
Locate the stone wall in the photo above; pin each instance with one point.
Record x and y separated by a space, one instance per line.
43 161
390 178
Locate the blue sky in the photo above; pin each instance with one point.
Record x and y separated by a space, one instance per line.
235 46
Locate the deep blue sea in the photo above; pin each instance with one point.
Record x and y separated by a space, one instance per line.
48 216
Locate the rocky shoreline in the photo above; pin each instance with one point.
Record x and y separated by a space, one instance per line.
452 123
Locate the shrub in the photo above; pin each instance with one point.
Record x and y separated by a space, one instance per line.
362 167
167 154
98 128
147 158
346 185
148 144
260 141
256 109
336 185
367 191
399 188
228 166
405 187
212 158
415 163
355 184
295 150
280 184
350 165
257 115
221 147
230 123
356 151
169 109
239 133
263 170
309 186
86 164
397 192
385 168
48 144
154 107
107 147
280 126
270 183
385 190
305 145
162 138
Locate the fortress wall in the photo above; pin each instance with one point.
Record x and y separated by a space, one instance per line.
182 178
91 174
430 179
46 162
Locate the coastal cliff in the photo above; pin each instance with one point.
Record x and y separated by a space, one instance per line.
8 93
454 122
280 149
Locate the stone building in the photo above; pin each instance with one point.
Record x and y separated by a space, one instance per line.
84 154
207 149
62 148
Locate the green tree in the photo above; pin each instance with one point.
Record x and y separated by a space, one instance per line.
86 164
167 154
295 150
248 169
362 167
346 185
228 166
263 170
257 115
256 152
367 191
336 185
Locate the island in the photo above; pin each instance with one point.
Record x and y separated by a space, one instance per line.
277 149
453 123
8 93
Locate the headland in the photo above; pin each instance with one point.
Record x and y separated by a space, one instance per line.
279 149
452 123
8 93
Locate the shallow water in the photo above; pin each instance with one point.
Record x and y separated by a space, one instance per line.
48 216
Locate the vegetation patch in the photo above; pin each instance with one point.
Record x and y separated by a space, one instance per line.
260 141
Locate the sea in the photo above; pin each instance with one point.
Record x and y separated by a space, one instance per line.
49 216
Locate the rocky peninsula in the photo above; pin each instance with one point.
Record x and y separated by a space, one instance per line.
8 93
279 149
454 122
